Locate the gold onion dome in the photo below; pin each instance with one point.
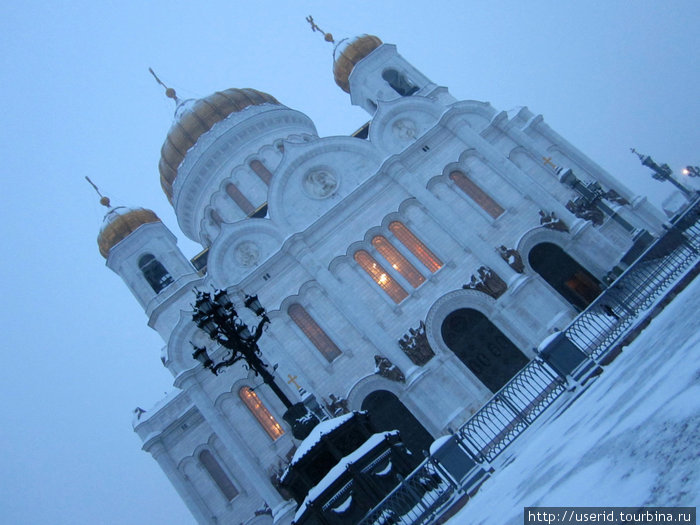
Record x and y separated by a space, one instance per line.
351 54
119 223
196 120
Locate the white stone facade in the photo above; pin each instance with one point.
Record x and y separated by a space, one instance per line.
328 198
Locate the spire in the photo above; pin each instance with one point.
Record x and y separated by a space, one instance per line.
326 36
169 92
641 157
103 200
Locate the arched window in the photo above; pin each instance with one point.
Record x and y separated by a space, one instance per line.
154 272
215 217
478 195
262 414
399 82
415 246
261 171
379 275
397 261
212 466
315 333
240 199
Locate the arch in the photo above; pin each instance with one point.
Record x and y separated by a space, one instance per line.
380 276
479 196
415 246
261 171
213 468
397 261
482 347
565 274
387 412
241 201
399 82
154 272
262 414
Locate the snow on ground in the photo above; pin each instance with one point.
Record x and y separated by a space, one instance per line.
631 439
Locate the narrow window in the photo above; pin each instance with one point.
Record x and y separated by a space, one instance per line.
154 272
397 261
399 83
415 246
478 195
379 275
212 466
240 200
261 171
315 333
262 414
215 217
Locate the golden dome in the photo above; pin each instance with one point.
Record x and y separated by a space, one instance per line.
119 223
355 51
197 120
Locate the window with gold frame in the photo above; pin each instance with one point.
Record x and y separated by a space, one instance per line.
380 276
261 413
471 189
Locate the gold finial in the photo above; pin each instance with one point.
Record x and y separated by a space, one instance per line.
169 92
103 200
326 36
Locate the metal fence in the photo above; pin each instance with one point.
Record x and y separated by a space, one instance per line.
427 492
596 330
511 410
418 499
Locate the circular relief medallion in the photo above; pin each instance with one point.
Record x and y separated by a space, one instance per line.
405 129
320 183
247 254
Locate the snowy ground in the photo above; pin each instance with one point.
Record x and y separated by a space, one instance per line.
632 439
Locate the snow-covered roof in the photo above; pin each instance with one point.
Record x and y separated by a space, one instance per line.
333 474
324 427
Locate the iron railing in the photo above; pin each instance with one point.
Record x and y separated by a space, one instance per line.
418 500
596 330
427 492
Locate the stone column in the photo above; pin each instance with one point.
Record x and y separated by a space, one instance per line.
354 311
236 444
466 237
182 485
509 171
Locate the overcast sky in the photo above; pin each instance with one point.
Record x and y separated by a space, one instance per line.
78 100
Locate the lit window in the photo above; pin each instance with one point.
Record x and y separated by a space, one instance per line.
315 333
397 261
261 171
478 195
379 275
212 466
262 414
415 246
240 199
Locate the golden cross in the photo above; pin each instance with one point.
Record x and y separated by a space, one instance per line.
103 200
169 92
293 381
548 160
326 36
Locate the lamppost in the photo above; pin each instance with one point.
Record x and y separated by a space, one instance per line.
691 171
215 314
662 172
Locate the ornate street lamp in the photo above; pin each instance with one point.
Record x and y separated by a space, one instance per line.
662 172
691 171
216 316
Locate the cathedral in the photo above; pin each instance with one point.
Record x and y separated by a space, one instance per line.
408 270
